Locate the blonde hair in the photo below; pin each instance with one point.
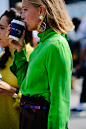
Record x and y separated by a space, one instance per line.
56 15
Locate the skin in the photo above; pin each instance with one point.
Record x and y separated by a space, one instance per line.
5 88
31 15
4 42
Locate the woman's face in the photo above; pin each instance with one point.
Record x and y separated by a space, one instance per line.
30 15
4 42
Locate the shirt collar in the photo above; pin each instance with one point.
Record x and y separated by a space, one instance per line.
44 35
47 33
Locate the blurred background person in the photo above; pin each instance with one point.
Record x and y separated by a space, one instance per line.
74 43
9 103
18 6
80 69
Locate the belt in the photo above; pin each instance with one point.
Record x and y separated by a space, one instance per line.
32 106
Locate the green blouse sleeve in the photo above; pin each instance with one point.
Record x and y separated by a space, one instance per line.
19 66
58 63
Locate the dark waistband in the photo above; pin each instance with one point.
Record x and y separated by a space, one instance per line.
34 102
25 105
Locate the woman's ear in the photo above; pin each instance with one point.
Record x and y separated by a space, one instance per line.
42 10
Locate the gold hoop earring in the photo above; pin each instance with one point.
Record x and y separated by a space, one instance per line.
41 25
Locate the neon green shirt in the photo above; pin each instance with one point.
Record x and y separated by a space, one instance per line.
48 73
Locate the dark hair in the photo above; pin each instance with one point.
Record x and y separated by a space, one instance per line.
4 58
13 14
76 21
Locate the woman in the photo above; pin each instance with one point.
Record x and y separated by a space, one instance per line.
46 80
9 103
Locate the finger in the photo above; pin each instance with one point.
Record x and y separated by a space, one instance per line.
9 28
21 40
10 41
22 37
8 31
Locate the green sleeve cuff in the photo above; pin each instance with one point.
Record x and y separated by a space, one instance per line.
18 60
20 56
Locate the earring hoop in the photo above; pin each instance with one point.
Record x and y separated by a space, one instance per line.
41 25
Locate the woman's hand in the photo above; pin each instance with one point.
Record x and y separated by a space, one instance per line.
6 89
19 45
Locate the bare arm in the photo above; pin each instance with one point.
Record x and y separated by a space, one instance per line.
6 89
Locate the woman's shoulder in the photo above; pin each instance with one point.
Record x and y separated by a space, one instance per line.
58 44
57 40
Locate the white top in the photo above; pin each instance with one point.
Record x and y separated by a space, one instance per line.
1 50
0 76
34 33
